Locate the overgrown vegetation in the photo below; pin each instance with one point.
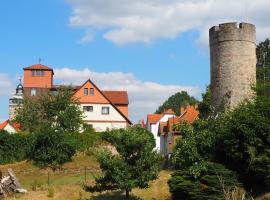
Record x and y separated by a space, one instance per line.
14 147
133 164
209 184
238 139
52 148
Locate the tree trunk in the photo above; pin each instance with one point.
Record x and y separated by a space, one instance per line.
127 193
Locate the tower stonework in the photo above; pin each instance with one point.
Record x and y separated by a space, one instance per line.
233 63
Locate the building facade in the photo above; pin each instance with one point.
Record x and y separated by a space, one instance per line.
101 109
152 125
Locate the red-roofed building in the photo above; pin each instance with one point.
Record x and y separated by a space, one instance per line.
10 127
102 109
152 124
167 133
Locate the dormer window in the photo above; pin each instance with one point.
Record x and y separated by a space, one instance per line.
85 91
91 91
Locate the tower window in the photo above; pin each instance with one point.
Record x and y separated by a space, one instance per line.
38 73
33 92
33 72
42 72
85 91
91 91
105 110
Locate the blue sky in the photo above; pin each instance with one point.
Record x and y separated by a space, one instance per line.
112 42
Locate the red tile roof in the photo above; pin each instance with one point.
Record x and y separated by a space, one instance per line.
3 125
117 97
153 118
15 125
38 66
190 115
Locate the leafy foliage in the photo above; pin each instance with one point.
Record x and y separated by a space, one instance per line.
52 148
204 107
209 185
243 142
134 164
14 147
86 140
176 101
60 111
263 61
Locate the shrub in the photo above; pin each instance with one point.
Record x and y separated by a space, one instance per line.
14 147
86 139
52 148
209 185
243 143
50 192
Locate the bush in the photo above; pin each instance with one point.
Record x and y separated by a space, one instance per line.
209 185
243 143
86 140
14 147
52 148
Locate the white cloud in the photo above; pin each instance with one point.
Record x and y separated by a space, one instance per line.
144 97
144 21
87 38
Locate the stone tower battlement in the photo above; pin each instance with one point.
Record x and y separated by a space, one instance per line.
233 63
232 32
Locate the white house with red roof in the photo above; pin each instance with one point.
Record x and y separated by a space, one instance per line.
152 124
102 109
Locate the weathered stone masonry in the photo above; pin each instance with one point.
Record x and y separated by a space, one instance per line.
233 63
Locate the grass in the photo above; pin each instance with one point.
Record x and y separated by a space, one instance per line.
67 183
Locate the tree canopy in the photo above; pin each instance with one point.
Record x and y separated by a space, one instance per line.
60 111
134 164
52 148
175 101
263 61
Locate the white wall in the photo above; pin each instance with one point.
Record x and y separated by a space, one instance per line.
154 131
102 122
105 125
114 115
154 128
10 129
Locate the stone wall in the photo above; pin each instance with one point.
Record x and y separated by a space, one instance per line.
233 63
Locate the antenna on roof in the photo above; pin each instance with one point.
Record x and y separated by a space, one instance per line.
39 60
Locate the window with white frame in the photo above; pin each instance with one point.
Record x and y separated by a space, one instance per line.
105 110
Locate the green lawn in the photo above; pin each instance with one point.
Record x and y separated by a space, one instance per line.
67 183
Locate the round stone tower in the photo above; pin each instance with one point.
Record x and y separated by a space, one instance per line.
233 63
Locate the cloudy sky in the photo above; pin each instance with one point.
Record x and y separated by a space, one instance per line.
151 48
